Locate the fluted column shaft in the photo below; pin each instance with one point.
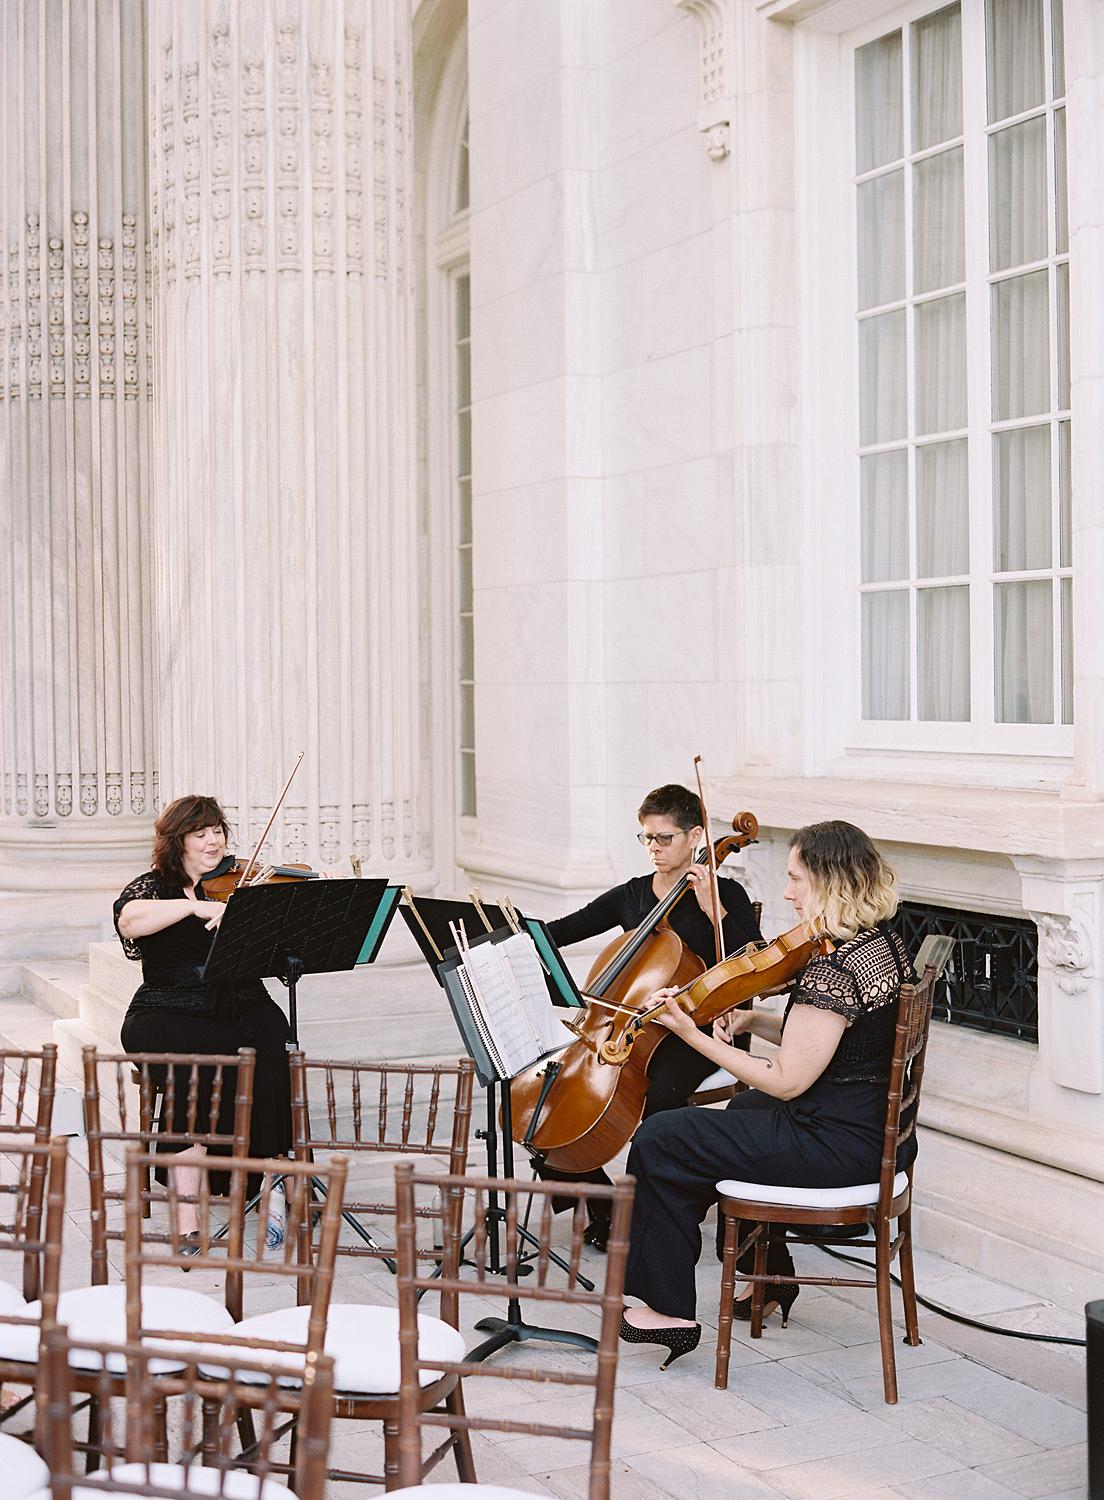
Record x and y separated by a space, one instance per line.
76 763
283 450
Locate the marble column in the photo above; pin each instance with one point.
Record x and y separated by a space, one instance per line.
77 780
283 451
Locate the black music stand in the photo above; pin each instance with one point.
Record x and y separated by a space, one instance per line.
513 1328
286 929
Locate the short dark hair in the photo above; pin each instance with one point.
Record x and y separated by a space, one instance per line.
672 801
185 815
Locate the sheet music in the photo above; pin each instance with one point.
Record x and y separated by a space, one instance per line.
517 1040
480 1022
520 953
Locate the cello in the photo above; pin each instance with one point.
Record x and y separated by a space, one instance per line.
581 1109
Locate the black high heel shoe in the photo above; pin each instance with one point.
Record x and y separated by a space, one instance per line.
677 1341
781 1297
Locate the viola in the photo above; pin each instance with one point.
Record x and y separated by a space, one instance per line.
227 876
596 1098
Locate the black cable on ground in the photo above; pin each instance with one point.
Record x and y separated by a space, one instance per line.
954 1317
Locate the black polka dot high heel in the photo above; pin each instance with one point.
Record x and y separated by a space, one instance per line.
677 1341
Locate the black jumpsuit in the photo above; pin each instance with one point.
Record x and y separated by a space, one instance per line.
829 1136
174 1011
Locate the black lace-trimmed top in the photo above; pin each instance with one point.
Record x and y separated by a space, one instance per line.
172 956
859 981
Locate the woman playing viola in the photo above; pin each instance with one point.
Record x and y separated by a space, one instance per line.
164 920
814 1111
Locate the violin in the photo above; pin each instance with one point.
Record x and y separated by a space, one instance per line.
596 1096
228 874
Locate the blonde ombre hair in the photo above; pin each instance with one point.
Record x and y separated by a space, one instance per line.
853 887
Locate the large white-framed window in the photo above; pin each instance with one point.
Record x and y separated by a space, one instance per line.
960 424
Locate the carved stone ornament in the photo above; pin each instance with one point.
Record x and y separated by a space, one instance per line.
1064 947
715 113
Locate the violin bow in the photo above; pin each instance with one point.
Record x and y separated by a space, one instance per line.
252 860
718 936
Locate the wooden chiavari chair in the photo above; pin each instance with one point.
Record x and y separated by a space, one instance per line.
28 1082
373 1113
772 1209
284 1337
120 1091
426 1378
205 1417
31 1172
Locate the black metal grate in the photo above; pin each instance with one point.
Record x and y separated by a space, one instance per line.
992 980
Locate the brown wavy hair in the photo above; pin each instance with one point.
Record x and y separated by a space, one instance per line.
185 815
853 886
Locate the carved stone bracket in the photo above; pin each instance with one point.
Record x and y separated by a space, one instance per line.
1064 946
715 113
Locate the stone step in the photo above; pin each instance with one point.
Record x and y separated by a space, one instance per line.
55 984
72 1036
112 972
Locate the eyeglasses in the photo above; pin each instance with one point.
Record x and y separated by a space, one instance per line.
662 839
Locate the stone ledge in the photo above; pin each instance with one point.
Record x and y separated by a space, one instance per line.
980 819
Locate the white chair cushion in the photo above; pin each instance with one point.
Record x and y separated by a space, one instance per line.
463 1492
363 1340
12 1304
721 1079
23 1470
98 1314
228 1485
794 1197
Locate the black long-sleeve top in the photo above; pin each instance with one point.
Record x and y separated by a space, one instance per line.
627 905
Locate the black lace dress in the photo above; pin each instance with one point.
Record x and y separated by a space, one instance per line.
829 1136
174 1011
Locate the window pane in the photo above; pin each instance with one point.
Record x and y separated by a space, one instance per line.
938 222
463 307
1018 194
936 78
885 655
942 510
467 785
463 185
878 103
1024 665
1061 274
882 413
882 239
1021 495
463 443
1061 204
464 579
941 364
943 666
1021 347
467 716
465 511
884 516
1058 41
1066 585
1065 518
467 648
1014 37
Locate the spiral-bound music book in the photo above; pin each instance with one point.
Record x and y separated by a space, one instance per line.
498 993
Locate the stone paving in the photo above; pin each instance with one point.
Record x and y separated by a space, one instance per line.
979 1417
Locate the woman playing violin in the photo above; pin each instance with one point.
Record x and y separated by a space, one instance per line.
164 919
814 1111
670 829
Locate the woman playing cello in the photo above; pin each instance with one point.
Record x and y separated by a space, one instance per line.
671 827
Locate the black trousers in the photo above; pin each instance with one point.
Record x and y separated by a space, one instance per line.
675 1072
829 1137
